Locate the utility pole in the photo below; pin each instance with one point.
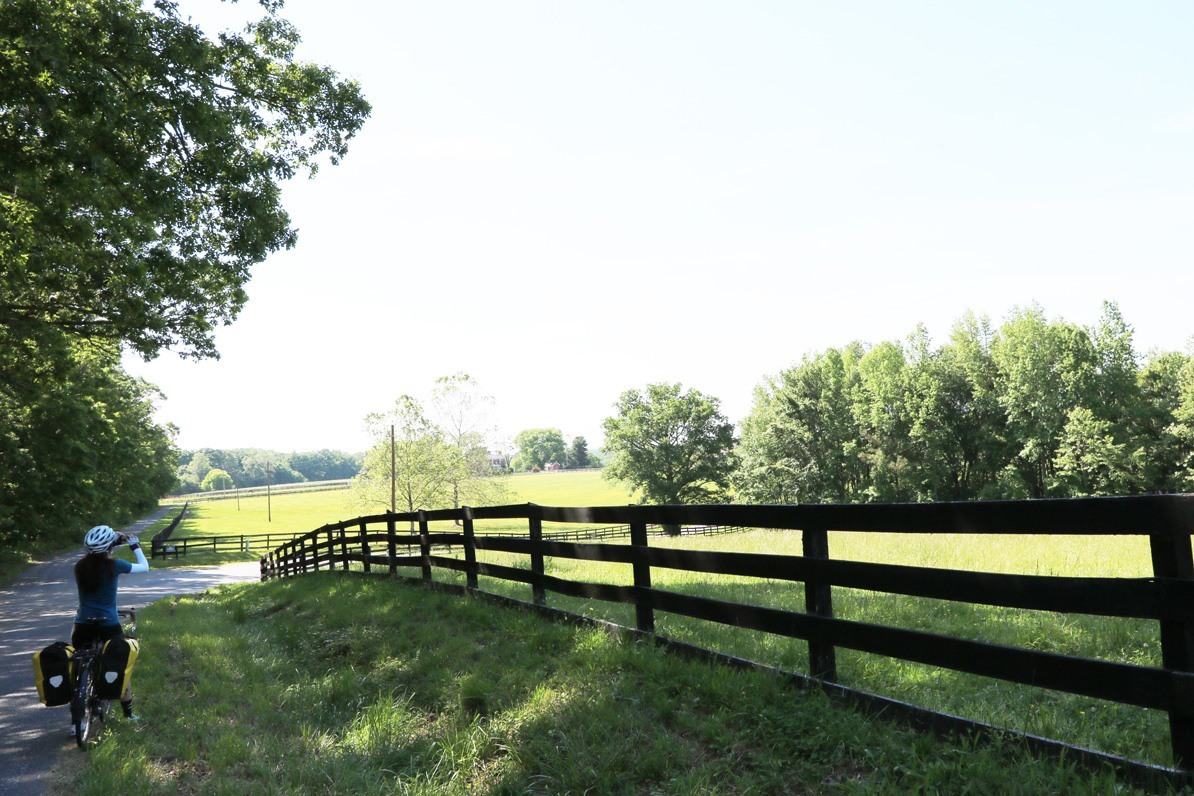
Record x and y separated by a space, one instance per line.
269 506
393 475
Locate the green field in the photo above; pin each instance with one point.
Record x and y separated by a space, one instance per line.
1128 731
299 512
1132 732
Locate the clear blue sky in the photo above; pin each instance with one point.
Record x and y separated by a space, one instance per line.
567 200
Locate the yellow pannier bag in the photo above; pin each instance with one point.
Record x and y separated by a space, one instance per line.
52 673
116 667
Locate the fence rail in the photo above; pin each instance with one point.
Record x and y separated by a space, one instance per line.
377 544
292 488
161 536
217 544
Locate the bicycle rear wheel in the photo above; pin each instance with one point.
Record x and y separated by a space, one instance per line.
87 712
80 707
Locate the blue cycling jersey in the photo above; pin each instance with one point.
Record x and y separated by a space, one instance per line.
102 601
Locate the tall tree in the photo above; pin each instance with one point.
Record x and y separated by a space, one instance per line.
671 445
771 465
802 441
578 453
1044 371
982 422
880 405
1183 427
409 462
537 447
1167 445
465 416
140 161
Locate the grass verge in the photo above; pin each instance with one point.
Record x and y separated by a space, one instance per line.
337 683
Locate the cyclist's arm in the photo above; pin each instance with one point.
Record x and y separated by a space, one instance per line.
142 564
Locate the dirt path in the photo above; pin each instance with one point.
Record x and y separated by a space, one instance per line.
38 608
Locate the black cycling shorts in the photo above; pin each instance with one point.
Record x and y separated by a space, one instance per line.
83 634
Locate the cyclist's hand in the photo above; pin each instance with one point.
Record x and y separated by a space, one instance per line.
131 540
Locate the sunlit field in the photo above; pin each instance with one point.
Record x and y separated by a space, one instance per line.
299 512
1129 731
1132 732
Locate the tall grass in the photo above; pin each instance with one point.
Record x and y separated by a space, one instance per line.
344 684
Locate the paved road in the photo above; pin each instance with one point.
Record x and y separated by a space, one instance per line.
38 608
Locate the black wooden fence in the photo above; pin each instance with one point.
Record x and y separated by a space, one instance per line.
230 543
159 538
384 543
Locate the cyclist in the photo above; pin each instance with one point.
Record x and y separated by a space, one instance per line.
95 575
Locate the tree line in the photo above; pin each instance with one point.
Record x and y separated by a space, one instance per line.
78 441
1031 409
544 448
210 469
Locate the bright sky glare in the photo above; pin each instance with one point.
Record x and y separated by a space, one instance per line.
567 200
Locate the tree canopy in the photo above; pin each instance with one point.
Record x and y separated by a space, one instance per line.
419 462
1034 409
672 445
78 441
140 162
537 447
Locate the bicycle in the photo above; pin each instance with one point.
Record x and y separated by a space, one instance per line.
87 711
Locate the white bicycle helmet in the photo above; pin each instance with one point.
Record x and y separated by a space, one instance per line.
100 539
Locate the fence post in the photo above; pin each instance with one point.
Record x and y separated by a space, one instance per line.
315 541
391 543
1172 559
343 549
365 552
644 608
425 544
535 531
818 601
302 562
470 549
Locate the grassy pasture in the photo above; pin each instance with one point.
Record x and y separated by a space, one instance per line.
1132 732
300 512
1128 731
332 684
